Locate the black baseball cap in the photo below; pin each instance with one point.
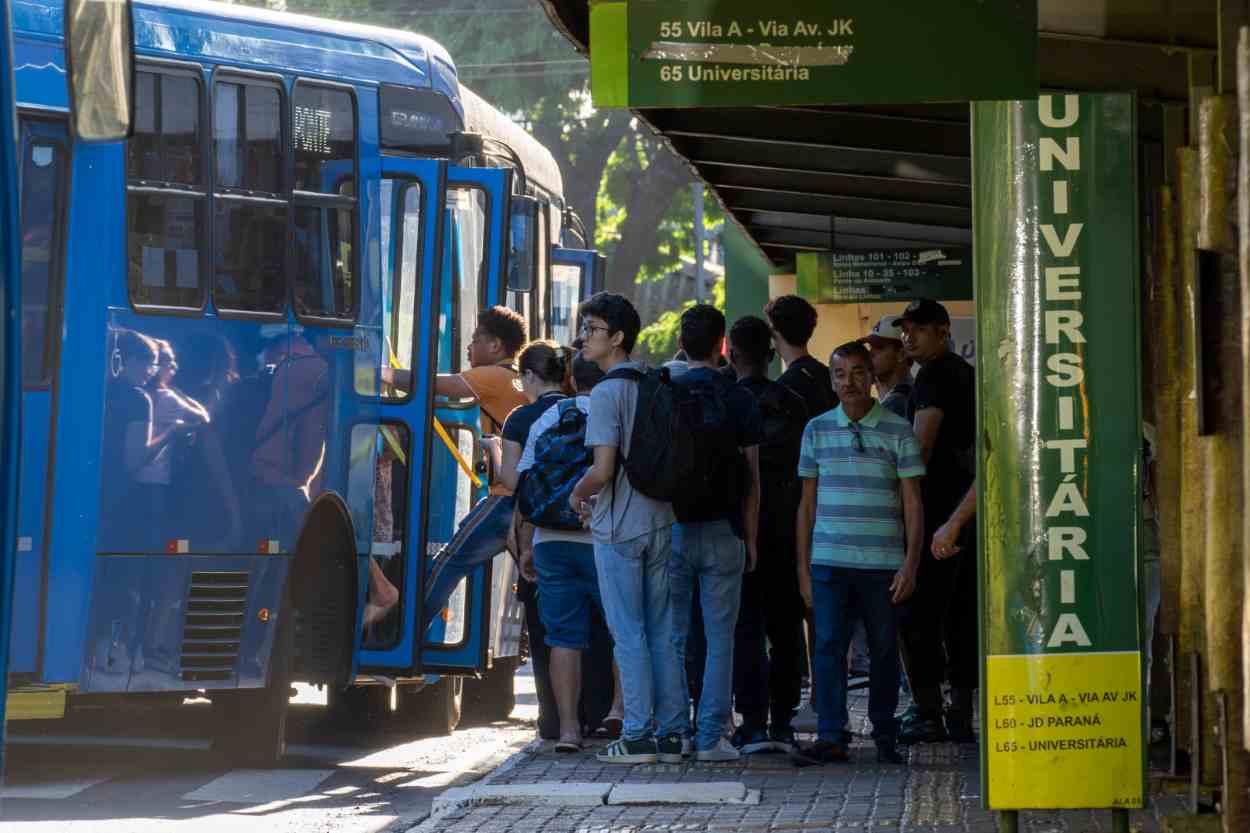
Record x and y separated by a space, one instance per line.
924 311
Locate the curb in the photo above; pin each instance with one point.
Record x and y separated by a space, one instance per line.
440 807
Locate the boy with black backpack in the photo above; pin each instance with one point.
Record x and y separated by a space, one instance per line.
717 510
768 653
632 528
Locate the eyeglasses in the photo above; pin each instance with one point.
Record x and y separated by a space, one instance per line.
591 329
859 437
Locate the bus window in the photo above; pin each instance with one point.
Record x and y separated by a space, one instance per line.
250 204
566 280
165 195
400 284
379 479
323 140
43 182
541 327
467 215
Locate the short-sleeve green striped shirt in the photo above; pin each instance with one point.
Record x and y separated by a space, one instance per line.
859 506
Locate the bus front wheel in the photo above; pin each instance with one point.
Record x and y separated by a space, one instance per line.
250 724
492 698
433 710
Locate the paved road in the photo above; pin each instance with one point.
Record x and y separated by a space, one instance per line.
151 771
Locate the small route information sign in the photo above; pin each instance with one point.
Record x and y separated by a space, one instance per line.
701 53
864 276
1060 451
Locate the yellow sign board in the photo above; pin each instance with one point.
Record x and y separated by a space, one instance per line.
1064 730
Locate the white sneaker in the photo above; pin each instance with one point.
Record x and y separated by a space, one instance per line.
722 751
687 747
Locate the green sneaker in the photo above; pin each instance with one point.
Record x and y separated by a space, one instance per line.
669 749
629 752
918 727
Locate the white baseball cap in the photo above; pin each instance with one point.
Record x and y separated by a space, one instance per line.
884 330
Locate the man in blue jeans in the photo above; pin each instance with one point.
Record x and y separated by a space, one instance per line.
706 545
632 539
861 468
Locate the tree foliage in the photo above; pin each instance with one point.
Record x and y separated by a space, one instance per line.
631 192
658 341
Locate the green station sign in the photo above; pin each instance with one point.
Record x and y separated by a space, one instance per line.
1055 230
724 53
865 276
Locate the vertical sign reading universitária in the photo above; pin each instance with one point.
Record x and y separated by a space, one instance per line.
1055 231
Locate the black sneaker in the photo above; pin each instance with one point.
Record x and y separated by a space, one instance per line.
629 752
887 752
959 728
918 727
782 738
668 749
749 740
821 752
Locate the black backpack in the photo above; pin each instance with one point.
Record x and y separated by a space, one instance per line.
715 488
784 416
560 459
661 457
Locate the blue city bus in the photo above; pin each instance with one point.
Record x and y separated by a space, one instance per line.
211 451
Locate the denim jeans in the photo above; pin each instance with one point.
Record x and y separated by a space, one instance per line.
568 592
838 595
634 586
481 536
713 554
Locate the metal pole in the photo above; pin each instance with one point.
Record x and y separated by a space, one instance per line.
697 194
1009 821
1119 821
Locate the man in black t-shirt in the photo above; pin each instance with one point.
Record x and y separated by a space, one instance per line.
768 651
938 623
793 320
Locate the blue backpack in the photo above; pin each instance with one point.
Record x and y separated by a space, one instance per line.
560 459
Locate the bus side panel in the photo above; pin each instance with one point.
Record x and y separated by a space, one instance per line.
168 624
32 497
95 258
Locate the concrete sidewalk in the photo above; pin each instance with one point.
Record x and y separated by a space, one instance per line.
938 791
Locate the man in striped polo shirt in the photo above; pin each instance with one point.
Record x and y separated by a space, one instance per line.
861 468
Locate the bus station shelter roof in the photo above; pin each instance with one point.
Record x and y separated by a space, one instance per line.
888 176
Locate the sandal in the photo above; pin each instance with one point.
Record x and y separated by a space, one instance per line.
611 726
566 747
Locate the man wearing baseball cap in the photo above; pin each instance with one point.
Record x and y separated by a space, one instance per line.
890 365
938 623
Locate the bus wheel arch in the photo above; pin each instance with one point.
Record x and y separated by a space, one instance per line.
323 582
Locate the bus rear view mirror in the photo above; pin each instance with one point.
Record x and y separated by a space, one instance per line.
99 42
523 243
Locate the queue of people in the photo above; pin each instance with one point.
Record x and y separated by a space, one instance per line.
727 527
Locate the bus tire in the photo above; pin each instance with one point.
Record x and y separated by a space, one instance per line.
432 711
359 706
492 698
250 724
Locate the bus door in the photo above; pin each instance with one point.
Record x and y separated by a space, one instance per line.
475 250
43 165
391 458
576 274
